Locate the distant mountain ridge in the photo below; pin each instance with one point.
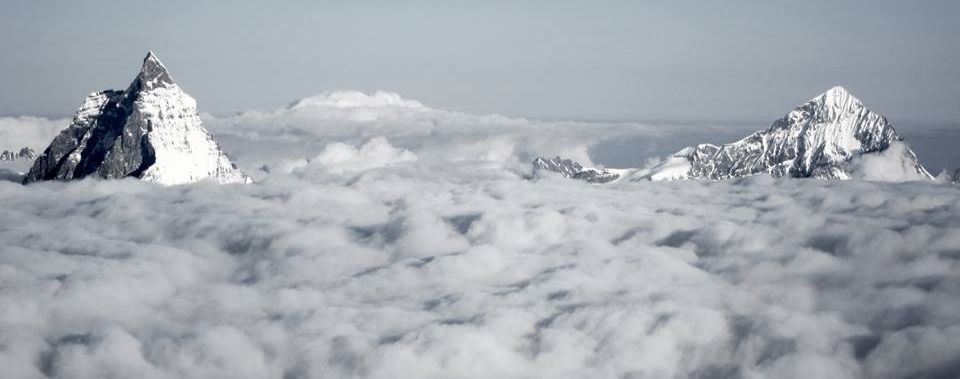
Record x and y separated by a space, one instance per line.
24 153
832 136
818 139
573 170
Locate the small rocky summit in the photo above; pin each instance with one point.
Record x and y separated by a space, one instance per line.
819 139
24 153
149 131
573 170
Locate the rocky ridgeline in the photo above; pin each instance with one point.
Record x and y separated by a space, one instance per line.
25 153
149 131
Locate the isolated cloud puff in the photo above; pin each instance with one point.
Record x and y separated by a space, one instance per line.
890 165
355 99
357 106
377 152
344 158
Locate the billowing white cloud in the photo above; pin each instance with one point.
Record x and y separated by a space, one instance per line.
309 126
890 165
395 251
17 133
341 157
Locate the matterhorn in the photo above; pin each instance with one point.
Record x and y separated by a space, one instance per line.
150 131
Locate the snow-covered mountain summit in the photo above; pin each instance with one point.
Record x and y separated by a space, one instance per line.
149 131
826 138
573 170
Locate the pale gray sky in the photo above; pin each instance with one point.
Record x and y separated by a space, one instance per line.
638 60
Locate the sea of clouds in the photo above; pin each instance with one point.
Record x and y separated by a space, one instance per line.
386 239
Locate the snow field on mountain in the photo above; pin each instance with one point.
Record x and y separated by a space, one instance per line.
818 139
184 151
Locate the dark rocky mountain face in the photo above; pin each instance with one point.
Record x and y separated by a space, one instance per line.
149 131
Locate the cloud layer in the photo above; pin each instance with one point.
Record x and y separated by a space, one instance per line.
410 246
27 131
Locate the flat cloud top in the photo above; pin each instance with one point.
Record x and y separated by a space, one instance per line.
412 246
355 99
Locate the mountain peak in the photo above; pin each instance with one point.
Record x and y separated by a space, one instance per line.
837 91
837 95
153 73
822 138
151 131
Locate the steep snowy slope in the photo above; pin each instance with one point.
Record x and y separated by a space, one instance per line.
821 139
150 131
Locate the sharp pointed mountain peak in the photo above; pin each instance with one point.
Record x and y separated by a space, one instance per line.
151 131
823 138
835 104
153 74
837 96
837 91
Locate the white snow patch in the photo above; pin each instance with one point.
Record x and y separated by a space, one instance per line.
185 152
675 167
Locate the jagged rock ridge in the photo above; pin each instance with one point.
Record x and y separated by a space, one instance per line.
818 139
570 169
24 153
149 131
